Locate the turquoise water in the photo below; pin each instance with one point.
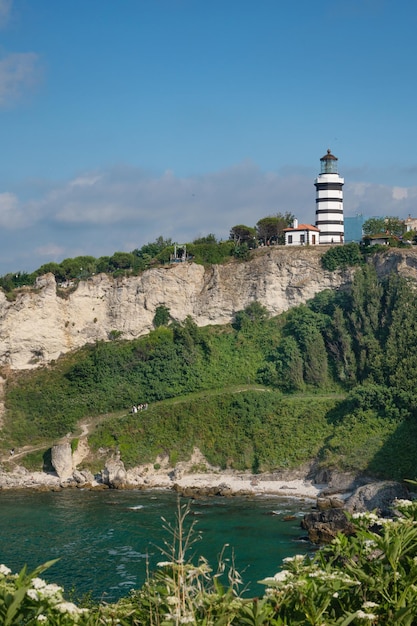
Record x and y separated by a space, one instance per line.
105 540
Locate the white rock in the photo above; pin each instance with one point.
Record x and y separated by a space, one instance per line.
40 325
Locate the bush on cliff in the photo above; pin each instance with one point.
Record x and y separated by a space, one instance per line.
344 256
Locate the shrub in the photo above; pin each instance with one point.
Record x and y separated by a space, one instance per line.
342 256
162 316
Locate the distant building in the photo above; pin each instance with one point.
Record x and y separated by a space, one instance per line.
302 235
329 201
353 228
410 223
379 239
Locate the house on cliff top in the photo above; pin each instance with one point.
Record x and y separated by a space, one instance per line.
302 235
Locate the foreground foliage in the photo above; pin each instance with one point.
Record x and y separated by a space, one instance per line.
367 578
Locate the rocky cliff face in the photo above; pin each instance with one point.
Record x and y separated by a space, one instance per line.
43 323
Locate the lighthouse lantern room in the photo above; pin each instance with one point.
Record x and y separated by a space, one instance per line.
329 201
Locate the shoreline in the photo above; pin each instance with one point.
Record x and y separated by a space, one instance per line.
195 477
257 484
211 482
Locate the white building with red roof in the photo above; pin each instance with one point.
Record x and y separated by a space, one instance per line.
302 235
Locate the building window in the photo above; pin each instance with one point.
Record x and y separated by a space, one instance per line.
302 238
313 240
289 238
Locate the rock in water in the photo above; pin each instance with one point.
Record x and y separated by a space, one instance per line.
61 459
323 526
114 474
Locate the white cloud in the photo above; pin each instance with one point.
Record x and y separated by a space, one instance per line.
19 72
84 181
122 208
372 199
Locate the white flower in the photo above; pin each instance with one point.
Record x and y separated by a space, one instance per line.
293 559
282 575
365 515
41 618
363 615
38 583
399 502
369 605
171 600
164 564
5 570
32 594
51 590
70 607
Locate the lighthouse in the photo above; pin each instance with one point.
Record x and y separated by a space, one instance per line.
329 201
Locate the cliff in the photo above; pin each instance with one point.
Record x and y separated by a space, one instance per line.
43 323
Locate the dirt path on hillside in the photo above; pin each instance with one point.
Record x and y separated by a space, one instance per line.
86 426
82 431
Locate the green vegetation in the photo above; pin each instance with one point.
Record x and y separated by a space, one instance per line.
254 429
271 229
203 250
384 225
366 578
108 376
342 256
334 379
162 316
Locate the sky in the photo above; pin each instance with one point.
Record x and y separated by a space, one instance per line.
125 120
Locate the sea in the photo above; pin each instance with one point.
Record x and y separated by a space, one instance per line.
108 542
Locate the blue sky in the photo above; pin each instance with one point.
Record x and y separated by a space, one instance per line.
123 120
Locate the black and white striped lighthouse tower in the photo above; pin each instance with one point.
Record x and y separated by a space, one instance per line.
329 201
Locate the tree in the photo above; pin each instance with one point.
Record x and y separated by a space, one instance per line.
390 225
243 234
122 260
395 226
154 248
255 313
410 235
289 365
79 267
53 268
374 226
272 228
162 316
103 264
211 238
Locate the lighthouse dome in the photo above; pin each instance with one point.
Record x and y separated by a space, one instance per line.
328 163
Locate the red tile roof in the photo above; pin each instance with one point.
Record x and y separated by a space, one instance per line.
303 227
